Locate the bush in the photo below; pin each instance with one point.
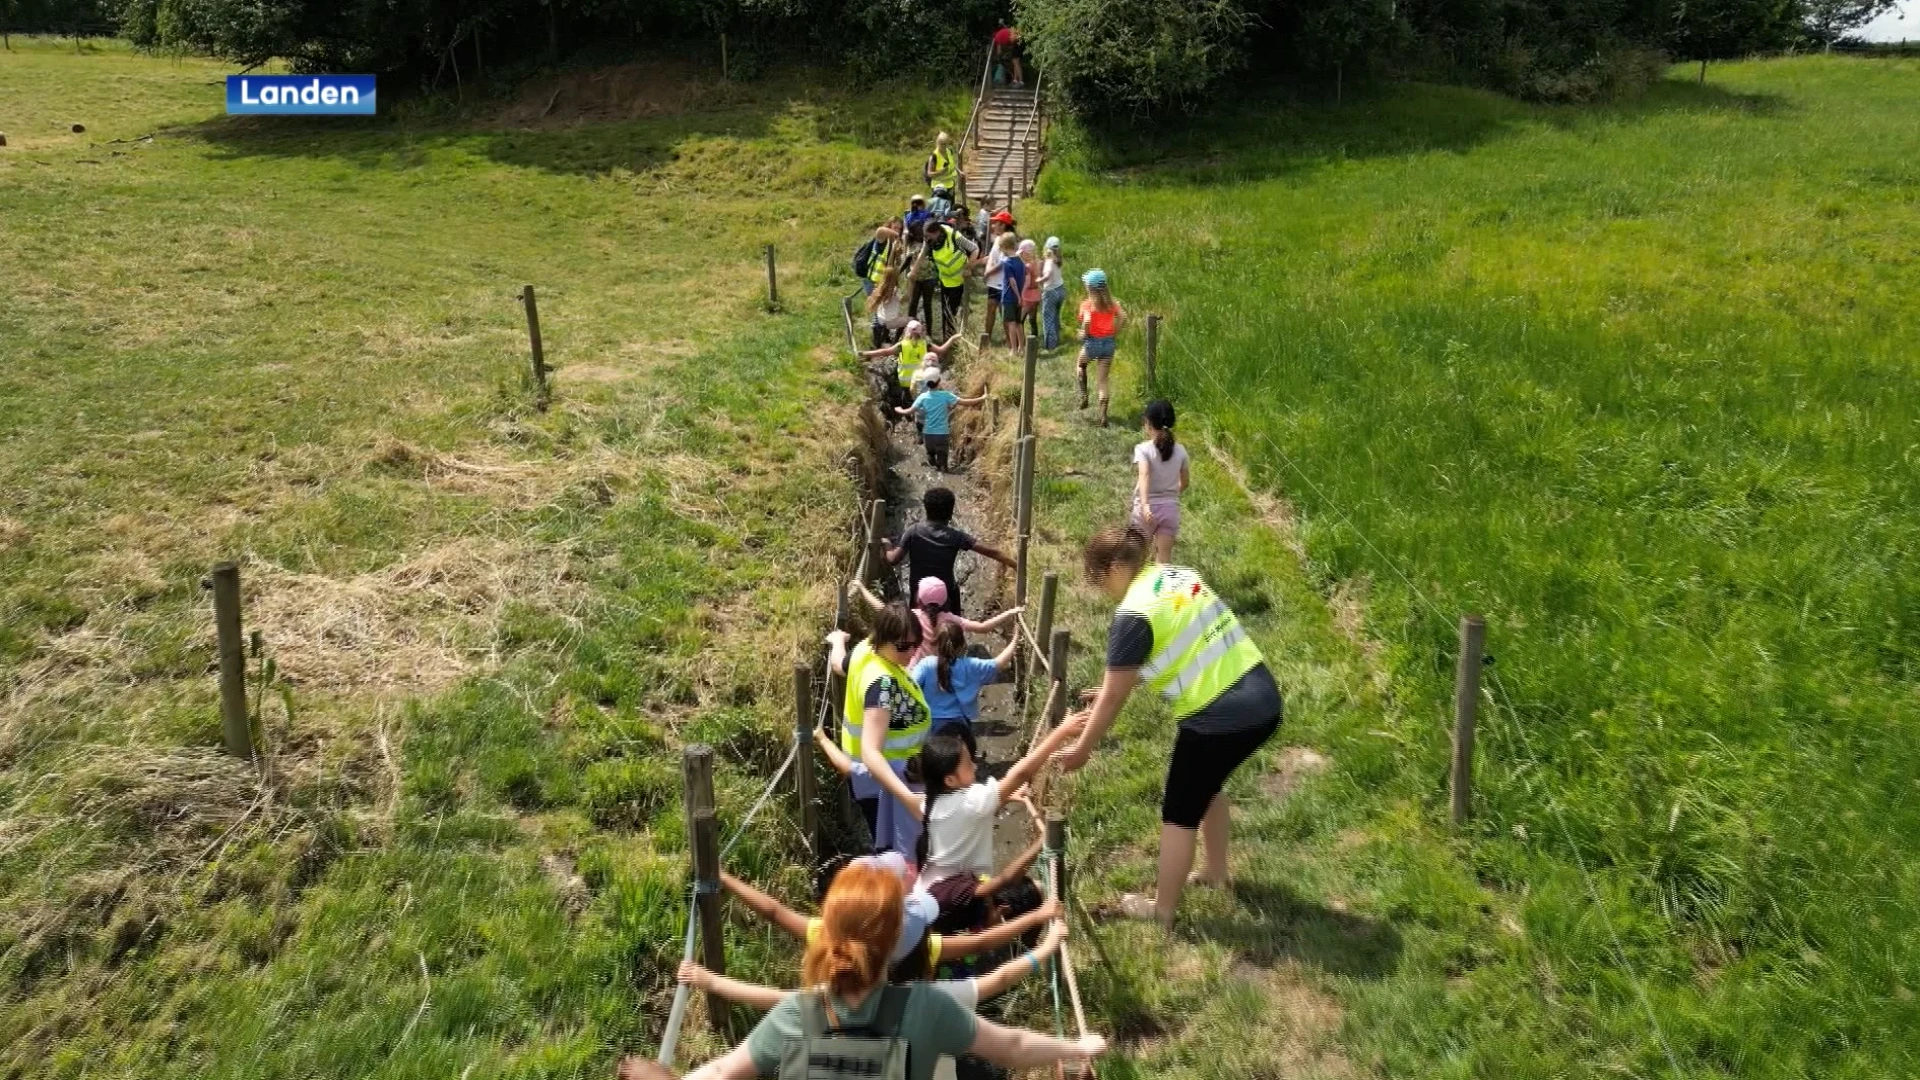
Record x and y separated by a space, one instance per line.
1126 56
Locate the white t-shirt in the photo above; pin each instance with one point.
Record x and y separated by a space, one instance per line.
1163 477
1049 274
996 270
887 312
960 832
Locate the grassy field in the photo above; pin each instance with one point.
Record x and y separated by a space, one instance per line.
1634 382
297 344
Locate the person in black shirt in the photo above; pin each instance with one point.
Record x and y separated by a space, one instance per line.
931 546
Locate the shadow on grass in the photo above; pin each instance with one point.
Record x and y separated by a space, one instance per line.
1269 137
1272 925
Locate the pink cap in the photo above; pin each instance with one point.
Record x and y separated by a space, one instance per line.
931 591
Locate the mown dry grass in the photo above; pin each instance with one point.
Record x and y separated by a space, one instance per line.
299 345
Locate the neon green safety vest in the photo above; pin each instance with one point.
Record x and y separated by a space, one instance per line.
1199 647
864 668
944 173
949 259
913 353
877 271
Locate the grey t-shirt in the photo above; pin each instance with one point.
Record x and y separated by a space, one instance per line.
934 1024
1163 477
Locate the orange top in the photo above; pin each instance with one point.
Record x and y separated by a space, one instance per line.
1098 323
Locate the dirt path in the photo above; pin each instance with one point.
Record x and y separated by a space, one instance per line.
986 588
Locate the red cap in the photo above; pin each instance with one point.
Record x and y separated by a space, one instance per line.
1002 217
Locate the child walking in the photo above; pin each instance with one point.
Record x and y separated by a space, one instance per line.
1100 321
951 680
1160 478
935 408
930 607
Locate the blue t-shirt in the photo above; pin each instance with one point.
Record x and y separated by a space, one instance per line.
1015 273
970 673
936 411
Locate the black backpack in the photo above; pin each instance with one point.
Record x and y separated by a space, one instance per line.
863 260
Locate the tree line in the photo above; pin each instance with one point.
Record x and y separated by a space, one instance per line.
1128 56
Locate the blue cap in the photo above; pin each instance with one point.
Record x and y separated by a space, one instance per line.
1094 279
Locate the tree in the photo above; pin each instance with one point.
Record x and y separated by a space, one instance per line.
1827 21
1135 55
1706 30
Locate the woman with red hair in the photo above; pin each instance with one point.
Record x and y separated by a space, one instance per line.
845 970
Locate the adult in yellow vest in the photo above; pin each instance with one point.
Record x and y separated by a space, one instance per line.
952 254
1177 636
885 716
943 165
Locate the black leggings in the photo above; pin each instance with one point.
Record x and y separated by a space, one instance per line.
1200 766
951 299
920 301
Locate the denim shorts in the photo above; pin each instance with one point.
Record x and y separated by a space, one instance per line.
1097 348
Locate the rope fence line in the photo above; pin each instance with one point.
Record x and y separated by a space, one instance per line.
1498 697
709 856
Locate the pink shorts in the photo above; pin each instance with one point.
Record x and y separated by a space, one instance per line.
1166 517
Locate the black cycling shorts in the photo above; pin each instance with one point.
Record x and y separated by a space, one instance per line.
1200 766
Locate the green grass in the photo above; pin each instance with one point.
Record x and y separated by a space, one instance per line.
1635 383
298 344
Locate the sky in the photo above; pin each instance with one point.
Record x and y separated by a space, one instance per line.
1892 26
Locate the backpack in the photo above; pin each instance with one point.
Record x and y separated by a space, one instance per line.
863 260
867 1052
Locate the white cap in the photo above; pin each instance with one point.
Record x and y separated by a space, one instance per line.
1053 243
913 326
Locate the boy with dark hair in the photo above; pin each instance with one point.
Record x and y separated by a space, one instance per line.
931 546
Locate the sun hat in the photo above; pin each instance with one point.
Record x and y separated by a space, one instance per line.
1053 243
931 590
921 909
1094 279
917 198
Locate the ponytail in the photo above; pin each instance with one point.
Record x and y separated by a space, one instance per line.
949 645
1159 417
939 760
859 924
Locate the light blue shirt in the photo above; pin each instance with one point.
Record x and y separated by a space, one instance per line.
970 673
936 411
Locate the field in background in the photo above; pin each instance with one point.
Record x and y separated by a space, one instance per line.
297 343
1637 384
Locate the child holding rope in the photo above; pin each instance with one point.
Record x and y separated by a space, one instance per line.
930 606
951 680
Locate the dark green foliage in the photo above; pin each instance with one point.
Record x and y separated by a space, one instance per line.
1125 56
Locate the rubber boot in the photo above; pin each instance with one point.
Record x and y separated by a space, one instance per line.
1103 412
1083 386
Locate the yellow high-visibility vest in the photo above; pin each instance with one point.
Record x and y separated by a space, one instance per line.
1199 647
864 668
949 259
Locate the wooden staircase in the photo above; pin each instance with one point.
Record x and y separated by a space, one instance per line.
1003 150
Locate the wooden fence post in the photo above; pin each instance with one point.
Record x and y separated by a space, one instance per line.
773 286
1023 518
541 396
234 725
878 571
703 838
1057 650
803 775
1466 701
1153 350
1026 387
1043 625
1057 844
846 310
